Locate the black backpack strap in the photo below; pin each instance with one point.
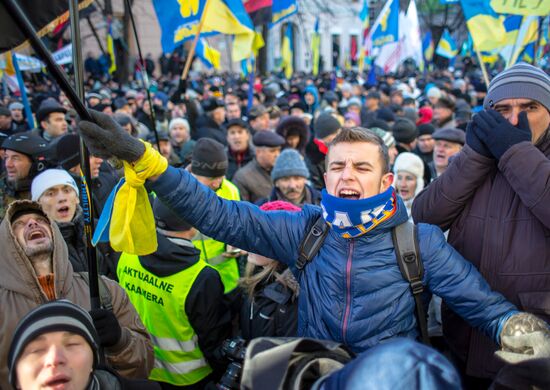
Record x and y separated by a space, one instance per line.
312 242
408 257
105 296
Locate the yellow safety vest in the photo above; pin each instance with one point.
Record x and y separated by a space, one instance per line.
212 250
160 303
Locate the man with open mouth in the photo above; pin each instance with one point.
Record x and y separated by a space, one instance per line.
34 269
352 290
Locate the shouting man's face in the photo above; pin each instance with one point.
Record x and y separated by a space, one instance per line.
33 233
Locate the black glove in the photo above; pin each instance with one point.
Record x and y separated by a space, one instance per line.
498 134
106 138
472 139
107 327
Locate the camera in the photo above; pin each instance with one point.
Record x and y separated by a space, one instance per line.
235 350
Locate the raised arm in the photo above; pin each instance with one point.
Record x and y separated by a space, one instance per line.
442 201
276 234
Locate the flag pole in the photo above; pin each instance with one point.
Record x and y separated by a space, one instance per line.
86 200
483 68
191 53
144 74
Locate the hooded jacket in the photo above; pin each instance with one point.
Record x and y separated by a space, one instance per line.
204 305
498 217
352 291
20 292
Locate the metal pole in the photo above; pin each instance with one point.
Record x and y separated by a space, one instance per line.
144 73
86 201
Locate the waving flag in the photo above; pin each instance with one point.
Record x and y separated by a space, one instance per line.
111 48
315 49
484 24
287 52
386 27
447 46
428 47
209 56
259 11
179 20
282 9
364 17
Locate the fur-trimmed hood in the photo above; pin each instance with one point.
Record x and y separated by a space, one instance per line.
294 125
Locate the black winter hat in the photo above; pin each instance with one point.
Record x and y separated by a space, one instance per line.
209 158
54 316
381 124
236 122
167 220
292 125
211 104
47 107
404 131
325 125
425 129
268 139
386 114
5 111
457 136
64 151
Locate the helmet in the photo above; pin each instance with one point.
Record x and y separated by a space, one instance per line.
35 147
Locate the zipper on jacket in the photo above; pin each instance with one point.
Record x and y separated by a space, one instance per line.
348 293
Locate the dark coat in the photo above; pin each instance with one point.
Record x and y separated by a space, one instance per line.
499 218
234 165
207 128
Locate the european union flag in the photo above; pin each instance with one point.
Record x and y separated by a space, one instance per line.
386 27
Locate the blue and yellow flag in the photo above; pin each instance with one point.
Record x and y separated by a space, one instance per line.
315 49
179 21
111 48
484 24
209 56
447 46
428 47
281 10
386 27
287 52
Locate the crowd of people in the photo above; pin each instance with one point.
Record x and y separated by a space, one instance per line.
276 207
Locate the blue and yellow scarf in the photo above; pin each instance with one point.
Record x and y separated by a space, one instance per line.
353 218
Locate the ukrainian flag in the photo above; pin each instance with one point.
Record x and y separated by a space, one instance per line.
179 21
315 49
428 47
484 24
209 56
447 46
111 48
386 27
287 52
522 31
281 10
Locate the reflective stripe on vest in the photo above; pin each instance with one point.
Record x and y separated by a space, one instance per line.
212 250
160 303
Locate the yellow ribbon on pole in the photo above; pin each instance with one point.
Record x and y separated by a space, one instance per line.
132 227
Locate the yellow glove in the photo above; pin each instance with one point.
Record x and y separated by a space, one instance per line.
132 227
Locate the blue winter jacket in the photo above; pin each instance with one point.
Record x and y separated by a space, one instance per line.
353 291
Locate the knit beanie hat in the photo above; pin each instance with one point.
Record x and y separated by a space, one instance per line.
425 129
289 163
404 131
410 162
54 316
50 178
209 158
325 125
167 220
386 136
519 81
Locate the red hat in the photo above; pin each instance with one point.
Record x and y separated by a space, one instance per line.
425 115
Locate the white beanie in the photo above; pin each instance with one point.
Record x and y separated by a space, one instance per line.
410 162
179 121
50 178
